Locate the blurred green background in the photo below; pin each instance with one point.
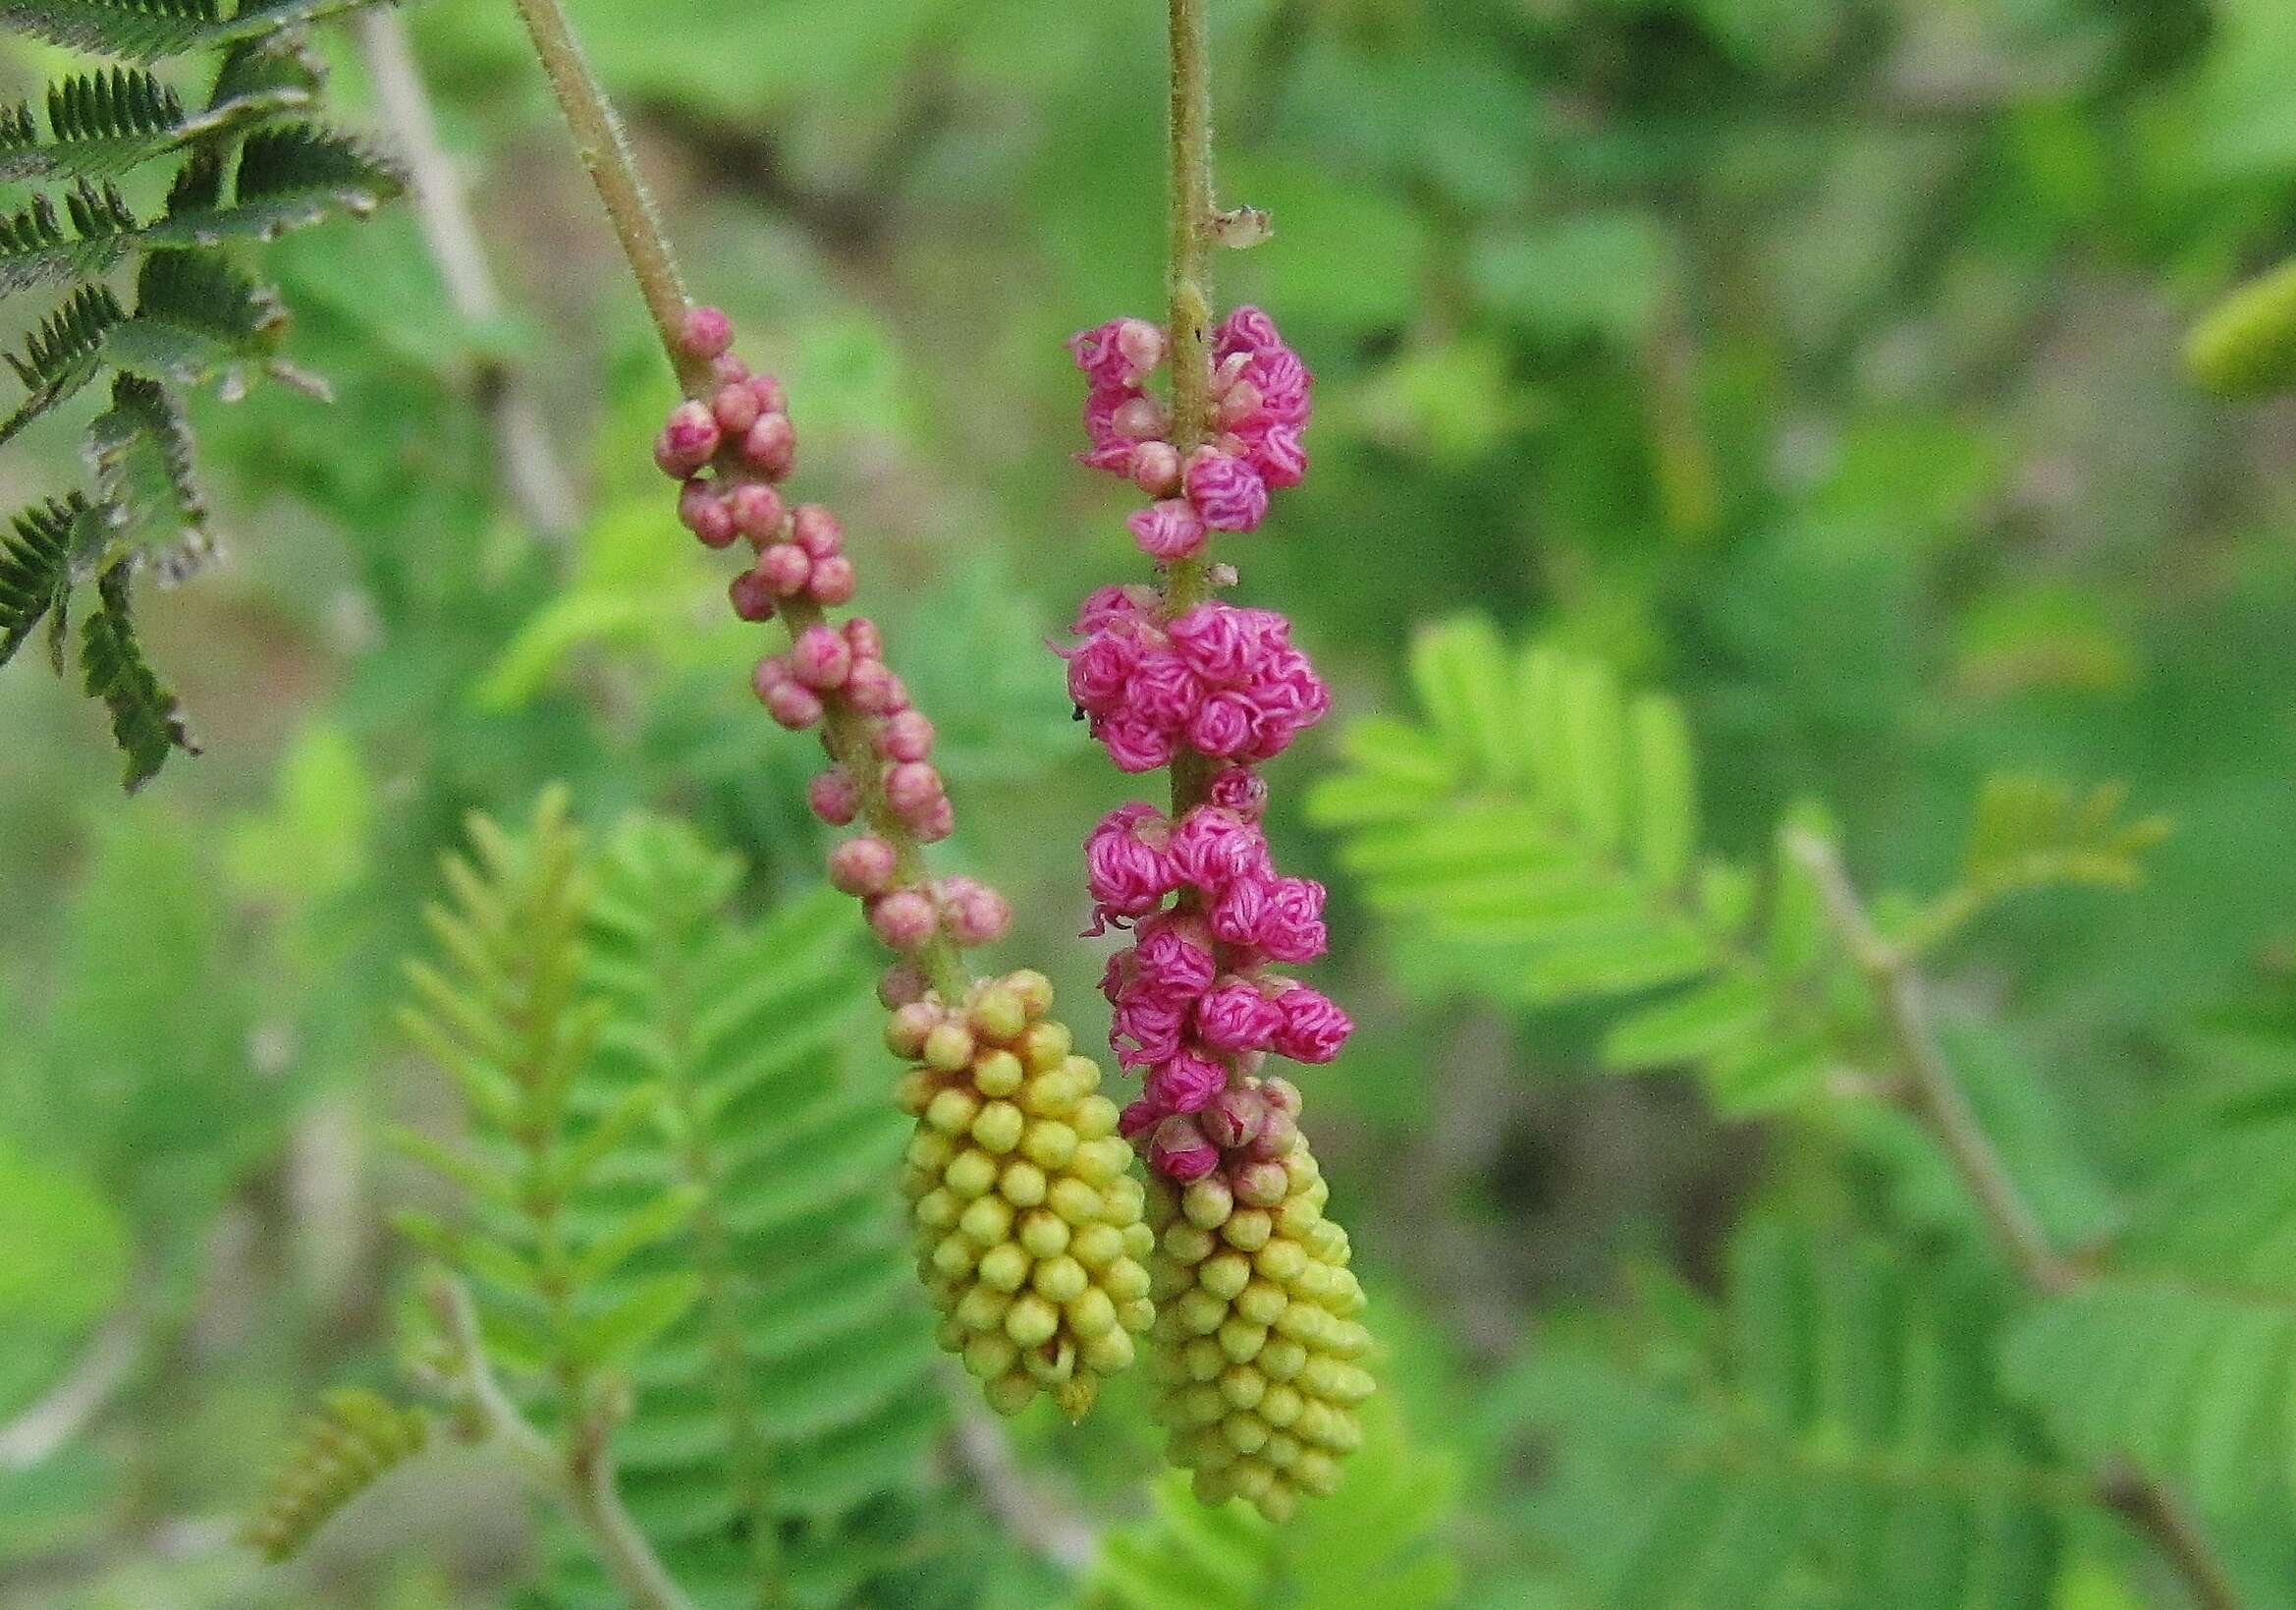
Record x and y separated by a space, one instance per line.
1815 361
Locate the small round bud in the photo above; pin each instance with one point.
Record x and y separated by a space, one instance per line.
1178 1148
783 569
1155 468
751 596
701 510
937 824
729 370
900 985
816 530
758 510
836 801
904 919
1142 344
832 581
705 332
1281 1094
689 440
913 788
1141 418
1239 404
948 1047
975 913
771 398
873 689
1276 1137
868 644
1260 1185
771 444
863 866
820 660
1234 1117
736 408
906 1028
793 706
907 736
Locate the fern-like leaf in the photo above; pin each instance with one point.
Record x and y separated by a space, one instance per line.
1376 1541
147 723
1833 1441
782 1424
354 1442
150 30
63 355
1538 831
2179 1350
2031 832
199 321
101 125
150 503
36 568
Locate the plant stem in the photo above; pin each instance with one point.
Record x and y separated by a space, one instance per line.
1937 1100
1187 582
582 1475
846 732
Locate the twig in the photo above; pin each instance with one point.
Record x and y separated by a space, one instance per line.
1038 1520
1187 582
581 1475
56 1419
1936 1100
539 485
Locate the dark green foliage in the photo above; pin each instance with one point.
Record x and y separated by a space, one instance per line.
1829 1437
147 724
241 174
36 568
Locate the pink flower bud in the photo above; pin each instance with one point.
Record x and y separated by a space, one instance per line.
912 787
1260 1184
863 866
834 797
1240 792
1141 420
689 440
872 689
1142 345
974 913
705 332
820 658
735 408
1178 1149
907 736
785 570
771 445
1236 1017
901 985
1226 492
1140 1117
1155 468
771 398
1169 530
1281 1095
833 581
1186 1082
1313 1028
913 1022
816 530
1274 1141
701 510
1234 1118
750 596
868 641
794 707
1240 405
938 822
757 511
904 919
728 371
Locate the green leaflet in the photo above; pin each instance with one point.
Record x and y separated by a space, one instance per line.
2246 344
147 721
1831 1438
353 1443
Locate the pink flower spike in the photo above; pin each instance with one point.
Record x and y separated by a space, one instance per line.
785 569
1145 1031
1292 930
705 332
863 866
1248 330
771 445
832 581
835 798
820 658
1169 530
1178 1149
1226 492
904 920
794 707
1226 723
1313 1028
1128 873
758 510
1172 965
1185 1083
1241 791
816 530
1212 848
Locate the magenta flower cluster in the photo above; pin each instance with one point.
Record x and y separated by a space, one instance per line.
1219 680
1196 1008
832 676
1260 400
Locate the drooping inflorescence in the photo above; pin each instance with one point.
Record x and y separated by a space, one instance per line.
1030 1232
1030 1237
1256 1342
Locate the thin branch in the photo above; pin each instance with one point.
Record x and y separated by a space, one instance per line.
1038 1520
539 485
581 1475
1187 582
56 1419
1936 1100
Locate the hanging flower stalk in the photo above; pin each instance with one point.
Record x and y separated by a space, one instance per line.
1030 1232
1257 1344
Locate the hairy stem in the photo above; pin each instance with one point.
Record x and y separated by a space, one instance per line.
1937 1100
579 1475
846 732
1187 582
